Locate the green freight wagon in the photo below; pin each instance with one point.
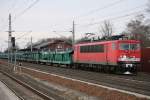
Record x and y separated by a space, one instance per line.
64 57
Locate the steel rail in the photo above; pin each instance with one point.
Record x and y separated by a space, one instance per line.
44 96
21 98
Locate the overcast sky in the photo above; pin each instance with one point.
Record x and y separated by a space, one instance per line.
40 18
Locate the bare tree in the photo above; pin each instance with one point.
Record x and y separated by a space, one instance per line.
148 6
138 30
106 29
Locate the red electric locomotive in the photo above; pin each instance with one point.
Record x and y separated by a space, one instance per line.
121 56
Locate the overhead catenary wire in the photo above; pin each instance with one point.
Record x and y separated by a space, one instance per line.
23 35
10 10
12 6
99 9
91 12
26 9
95 10
128 10
102 8
21 13
114 18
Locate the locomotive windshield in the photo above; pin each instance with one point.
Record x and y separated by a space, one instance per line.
129 46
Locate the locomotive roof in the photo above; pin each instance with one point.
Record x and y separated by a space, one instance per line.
103 42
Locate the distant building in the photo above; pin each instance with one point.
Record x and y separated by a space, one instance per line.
53 45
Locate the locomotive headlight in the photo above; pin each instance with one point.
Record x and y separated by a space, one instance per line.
124 56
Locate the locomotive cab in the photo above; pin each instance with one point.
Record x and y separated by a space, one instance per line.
128 56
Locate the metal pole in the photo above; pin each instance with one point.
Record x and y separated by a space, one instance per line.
31 43
73 34
9 40
15 57
10 59
8 50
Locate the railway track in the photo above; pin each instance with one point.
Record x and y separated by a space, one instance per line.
40 94
21 98
128 83
140 77
133 85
